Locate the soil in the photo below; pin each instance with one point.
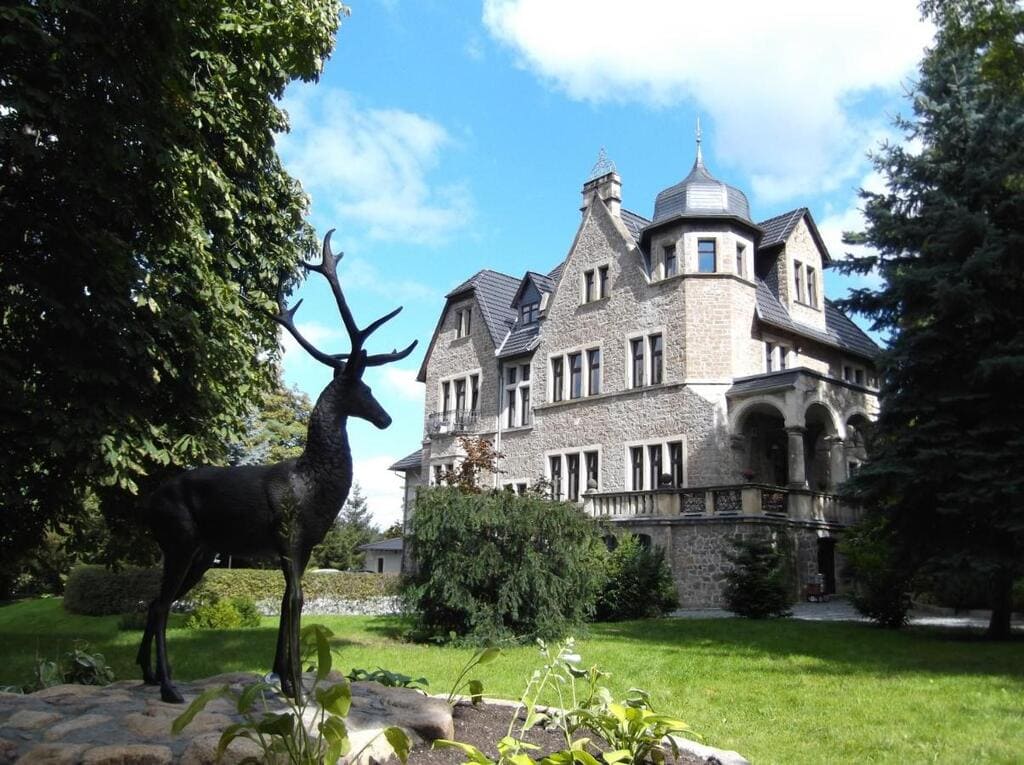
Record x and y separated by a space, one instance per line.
484 725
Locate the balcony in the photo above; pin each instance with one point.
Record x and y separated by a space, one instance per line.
452 422
723 502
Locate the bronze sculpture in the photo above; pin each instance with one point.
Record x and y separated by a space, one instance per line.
283 509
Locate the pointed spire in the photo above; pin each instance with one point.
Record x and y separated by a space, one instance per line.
699 162
603 166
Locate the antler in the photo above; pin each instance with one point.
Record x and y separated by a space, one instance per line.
328 268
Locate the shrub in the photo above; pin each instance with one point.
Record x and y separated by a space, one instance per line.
96 591
496 566
638 583
226 614
133 621
757 587
880 578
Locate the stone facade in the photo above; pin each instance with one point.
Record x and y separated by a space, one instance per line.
693 350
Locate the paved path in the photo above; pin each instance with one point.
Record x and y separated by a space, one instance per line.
840 610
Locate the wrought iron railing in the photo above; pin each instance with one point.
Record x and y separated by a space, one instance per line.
452 421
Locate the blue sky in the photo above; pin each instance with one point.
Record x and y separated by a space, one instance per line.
446 137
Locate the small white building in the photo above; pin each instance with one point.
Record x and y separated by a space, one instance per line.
383 556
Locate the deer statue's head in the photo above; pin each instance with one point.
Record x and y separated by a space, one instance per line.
346 395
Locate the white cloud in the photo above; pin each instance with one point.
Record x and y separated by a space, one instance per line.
833 226
383 488
361 274
373 167
320 335
779 80
404 383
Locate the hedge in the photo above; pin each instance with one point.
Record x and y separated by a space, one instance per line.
95 591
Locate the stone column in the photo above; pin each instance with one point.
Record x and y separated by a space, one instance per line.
837 461
797 467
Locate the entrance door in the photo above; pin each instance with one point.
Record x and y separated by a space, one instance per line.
827 563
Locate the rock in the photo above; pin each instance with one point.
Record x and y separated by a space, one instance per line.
147 726
202 750
52 754
32 719
708 754
59 731
128 754
374 705
8 751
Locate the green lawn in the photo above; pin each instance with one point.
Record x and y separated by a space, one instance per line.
778 692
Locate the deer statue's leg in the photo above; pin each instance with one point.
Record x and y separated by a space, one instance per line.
281 652
143 658
176 568
294 629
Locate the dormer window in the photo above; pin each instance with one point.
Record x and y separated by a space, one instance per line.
707 256
528 313
462 322
798 280
812 287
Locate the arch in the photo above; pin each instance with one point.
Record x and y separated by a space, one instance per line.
751 406
761 440
817 410
821 439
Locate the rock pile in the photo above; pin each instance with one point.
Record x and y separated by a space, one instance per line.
126 723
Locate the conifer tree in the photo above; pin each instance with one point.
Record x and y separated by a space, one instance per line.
946 477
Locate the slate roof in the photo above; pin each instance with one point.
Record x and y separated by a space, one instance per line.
494 293
767 382
634 223
840 332
778 229
520 340
412 461
394 545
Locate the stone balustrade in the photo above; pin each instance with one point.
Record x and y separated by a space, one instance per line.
742 500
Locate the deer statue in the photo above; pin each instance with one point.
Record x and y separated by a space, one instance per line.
282 510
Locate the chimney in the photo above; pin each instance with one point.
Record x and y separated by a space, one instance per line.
604 182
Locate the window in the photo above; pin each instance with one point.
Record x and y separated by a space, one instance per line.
588 286
636 459
528 313
474 393
575 375
462 322
654 457
706 257
858 376
556 378
675 463
637 353
380 565
741 261
602 282
438 471
656 354
783 353
812 287
769 357
572 462
460 395
671 267
594 365
798 280
848 373
446 397
593 464
555 468
517 396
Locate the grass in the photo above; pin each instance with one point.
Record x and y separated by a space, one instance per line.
777 692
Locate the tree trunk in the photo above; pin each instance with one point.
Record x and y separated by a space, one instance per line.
1002 608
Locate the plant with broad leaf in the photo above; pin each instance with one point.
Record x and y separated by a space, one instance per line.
631 730
283 736
475 687
389 679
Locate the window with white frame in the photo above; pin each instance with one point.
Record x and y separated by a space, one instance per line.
805 284
571 472
741 260
812 287
575 374
646 360
798 281
459 396
602 281
442 469
649 462
517 396
778 356
528 312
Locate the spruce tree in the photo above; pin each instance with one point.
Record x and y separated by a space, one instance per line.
946 475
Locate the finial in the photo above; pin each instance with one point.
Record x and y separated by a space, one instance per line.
603 166
700 157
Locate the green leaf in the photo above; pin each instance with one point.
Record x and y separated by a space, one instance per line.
399 741
487 655
476 691
335 732
336 699
474 754
247 698
197 706
277 724
616 755
233 731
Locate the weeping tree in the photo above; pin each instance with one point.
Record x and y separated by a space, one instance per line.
945 483
144 210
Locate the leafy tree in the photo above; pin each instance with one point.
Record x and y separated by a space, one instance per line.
481 459
393 531
144 211
757 586
497 566
947 473
353 527
276 430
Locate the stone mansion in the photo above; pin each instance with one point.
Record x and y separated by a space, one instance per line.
682 376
